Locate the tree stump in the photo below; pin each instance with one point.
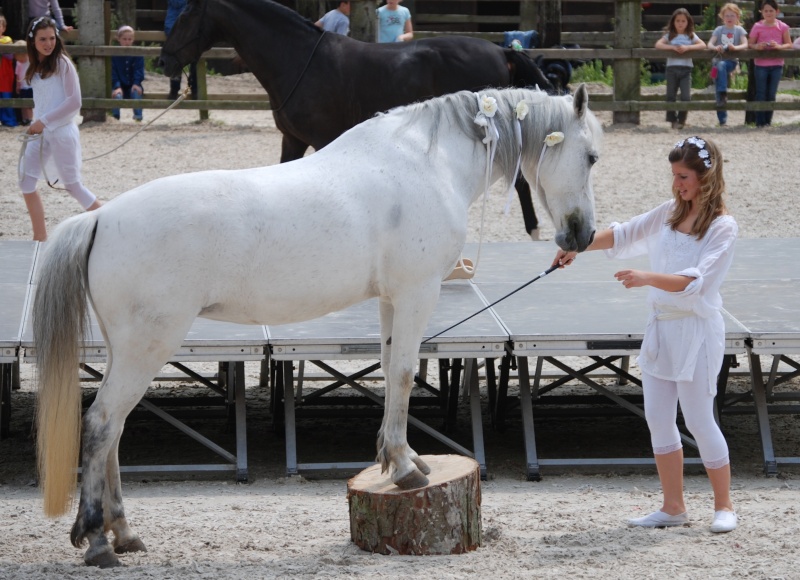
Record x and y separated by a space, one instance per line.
443 517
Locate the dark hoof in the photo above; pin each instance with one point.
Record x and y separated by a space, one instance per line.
422 466
135 545
103 559
412 481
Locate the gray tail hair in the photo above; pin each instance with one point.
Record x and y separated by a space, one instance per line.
60 320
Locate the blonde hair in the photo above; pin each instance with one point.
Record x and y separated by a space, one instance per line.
733 8
124 28
712 184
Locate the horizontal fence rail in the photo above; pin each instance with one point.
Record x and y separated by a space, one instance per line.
601 102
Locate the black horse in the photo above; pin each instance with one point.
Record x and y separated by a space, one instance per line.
320 85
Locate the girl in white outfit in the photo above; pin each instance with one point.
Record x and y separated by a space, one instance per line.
690 242
57 101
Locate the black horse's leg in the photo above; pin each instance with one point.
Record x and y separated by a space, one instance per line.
526 203
292 148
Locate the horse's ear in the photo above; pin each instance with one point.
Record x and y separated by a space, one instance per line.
581 100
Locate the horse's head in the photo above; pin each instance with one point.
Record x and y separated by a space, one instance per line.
191 35
572 137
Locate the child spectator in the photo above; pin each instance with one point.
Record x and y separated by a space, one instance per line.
24 89
337 20
680 38
57 102
768 34
127 74
726 39
8 116
394 23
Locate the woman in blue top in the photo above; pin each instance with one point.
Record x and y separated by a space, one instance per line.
394 23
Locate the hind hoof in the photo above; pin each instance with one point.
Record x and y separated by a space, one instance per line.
535 234
413 480
422 466
134 545
102 559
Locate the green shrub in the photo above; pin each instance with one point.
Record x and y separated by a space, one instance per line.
593 72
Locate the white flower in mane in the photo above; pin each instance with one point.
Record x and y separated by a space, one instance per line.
522 110
554 138
488 106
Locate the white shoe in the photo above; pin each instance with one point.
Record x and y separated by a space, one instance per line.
724 521
660 519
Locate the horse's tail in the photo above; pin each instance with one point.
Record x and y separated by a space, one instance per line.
60 312
525 72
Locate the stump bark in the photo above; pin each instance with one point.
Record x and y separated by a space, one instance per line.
443 517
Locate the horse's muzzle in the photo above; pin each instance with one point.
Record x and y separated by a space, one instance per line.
170 65
576 236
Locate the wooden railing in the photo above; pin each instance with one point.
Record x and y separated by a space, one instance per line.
626 101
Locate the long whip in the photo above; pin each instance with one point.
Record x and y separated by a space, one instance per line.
525 285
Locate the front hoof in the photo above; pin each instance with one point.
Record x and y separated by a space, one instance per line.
535 234
102 558
134 545
413 480
422 466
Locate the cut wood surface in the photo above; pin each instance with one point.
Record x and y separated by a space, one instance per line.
444 517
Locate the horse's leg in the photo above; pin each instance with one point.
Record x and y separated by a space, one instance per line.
292 148
411 313
386 317
125 540
138 353
526 203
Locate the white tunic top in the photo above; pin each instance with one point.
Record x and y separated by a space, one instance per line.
56 102
688 324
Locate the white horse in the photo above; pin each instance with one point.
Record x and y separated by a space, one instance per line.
270 246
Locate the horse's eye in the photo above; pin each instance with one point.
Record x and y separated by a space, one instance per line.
593 158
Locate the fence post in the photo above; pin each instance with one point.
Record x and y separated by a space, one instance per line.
627 35
544 16
364 20
202 86
91 24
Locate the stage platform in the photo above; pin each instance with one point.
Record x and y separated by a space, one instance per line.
561 320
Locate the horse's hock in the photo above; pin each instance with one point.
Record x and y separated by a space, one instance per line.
443 517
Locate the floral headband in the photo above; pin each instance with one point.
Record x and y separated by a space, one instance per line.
37 22
702 152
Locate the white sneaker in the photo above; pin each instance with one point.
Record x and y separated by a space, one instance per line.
724 521
660 519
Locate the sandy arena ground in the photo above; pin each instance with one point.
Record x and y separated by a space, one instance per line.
570 525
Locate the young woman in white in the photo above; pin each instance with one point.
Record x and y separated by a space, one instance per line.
690 242
57 101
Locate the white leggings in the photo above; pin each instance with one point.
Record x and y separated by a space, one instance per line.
661 399
77 190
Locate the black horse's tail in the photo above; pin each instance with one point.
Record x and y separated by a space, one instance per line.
526 73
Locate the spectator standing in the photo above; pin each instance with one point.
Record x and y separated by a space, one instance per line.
394 23
174 9
57 103
127 74
8 117
51 8
768 34
679 38
690 240
726 40
337 20
24 89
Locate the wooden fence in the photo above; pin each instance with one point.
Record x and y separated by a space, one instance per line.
626 102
